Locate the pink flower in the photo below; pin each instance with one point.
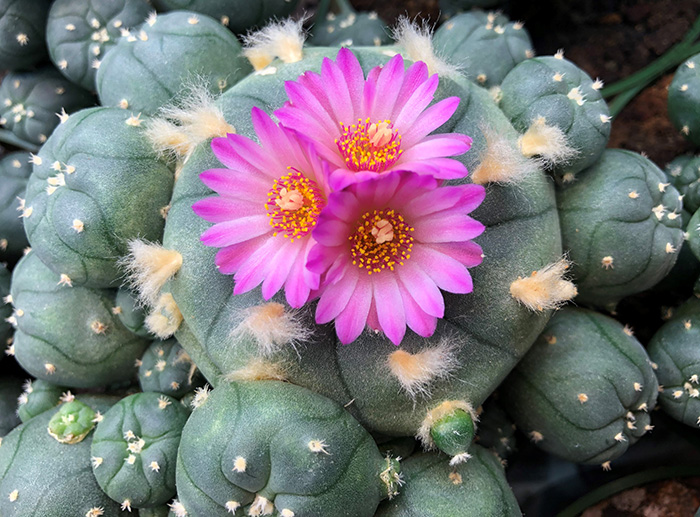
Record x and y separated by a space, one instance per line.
387 246
365 127
269 200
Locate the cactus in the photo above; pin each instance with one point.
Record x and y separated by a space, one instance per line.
131 313
451 7
166 368
585 390
66 334
433 488
134 449
41 476
684 174
345 26
81 197
22 33
79 35
138 73
687 266
14 173
33 103
10 388
559 110
267 446
673 349
72 422
621 225
684 99
486 46
693 234
496 430
39 396
5 309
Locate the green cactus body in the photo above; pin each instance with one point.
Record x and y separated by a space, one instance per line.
134 449
238 15
31 101
684 99
450 7
687 266
84 192
79 33
348 27
693 234
72 423
496 430
585 390
41 476
130 313
251 448
22 33
166 368
10 389
486 46
158 511
674 350
433 488
553 91
14 173
5 307
69 335
484 333
684 174
38 396
621 224
146 69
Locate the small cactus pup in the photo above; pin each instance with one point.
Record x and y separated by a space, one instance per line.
585 389
684 99
34 103
72 422
39 396
621 225
6 310
257 448
67 334
131 313
344 26
486 46
22 33
79 34
15 169
559 111
684 174
238 15
435 489
10 389
134 449
152 63
41 476
89 179
674 351
166 368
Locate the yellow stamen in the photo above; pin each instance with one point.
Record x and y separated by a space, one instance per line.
294 203
367 146
381 240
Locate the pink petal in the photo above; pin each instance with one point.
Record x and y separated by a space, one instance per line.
447 273
280 266
230 258
354 76
433 201
422 288
217 209
337 91
238 230
350 323
297 289
390 311
447 228
232 184
438 146
415 76
370 90
416 103
336 297
253 271
440 168
467 253
250 152
421 323
428 121
320 258
389 82
331 232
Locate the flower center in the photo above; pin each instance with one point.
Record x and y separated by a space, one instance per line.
369 146
381 240
293 205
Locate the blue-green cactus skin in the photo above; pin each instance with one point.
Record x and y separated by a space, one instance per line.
10 389
38 396
14 174
684 99
166 368
684 174
22 33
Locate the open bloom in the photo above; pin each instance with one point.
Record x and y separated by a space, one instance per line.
387 246
366 127
269 200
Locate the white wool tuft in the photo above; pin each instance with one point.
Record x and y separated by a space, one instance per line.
549 143
148 267
272 327
279 39
165 318
417 41
501 161
417 372
545 289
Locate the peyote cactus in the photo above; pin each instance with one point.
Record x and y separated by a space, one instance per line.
14 173
263 447
5 307
83 192
434 489
585 390
72 422
621 225
131 313
684 99
134 449
22 33
79 34
559 110
693 233
10 389
684 174
344 26
33 103
39 396
66 334
166 368
451 7
496 430
486 46
138 74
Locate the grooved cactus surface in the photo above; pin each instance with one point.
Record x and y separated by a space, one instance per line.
350 28
684 174
69 335
5 307
38 396
80 33
693 233
496 430
267 446
486 46
585 390
130 313
10 389
486 327
684 99
14 174
432 488
84 192
166 368
148 69
621 225
135 446
22 33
